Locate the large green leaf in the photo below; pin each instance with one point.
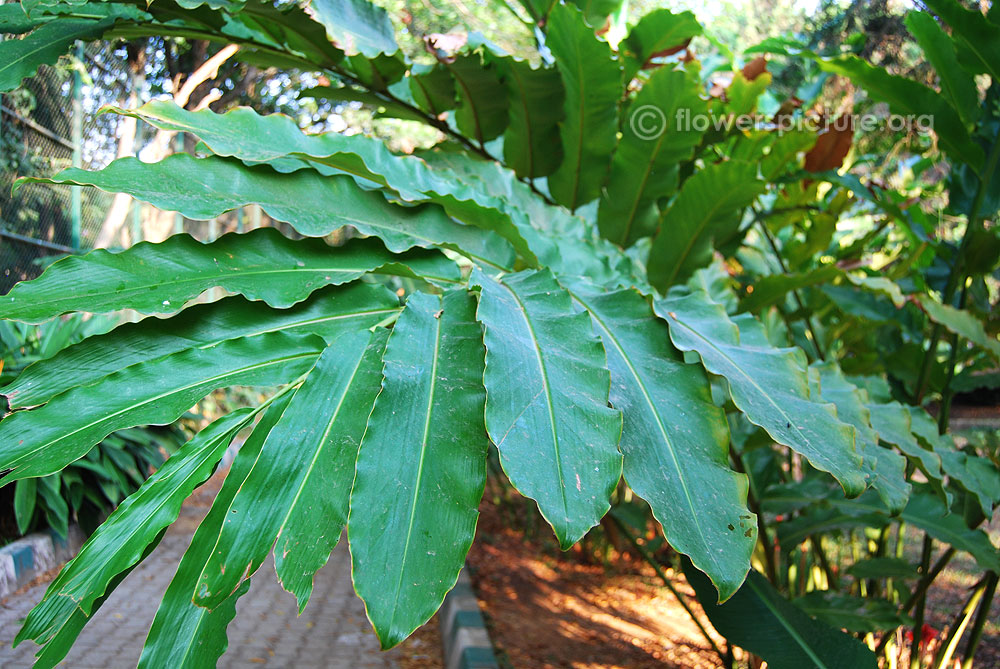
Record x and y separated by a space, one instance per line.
482 108
930 514
908 97
646 164
675 441
707 209
763 622
977 475
893 423
592 80
305 467
961 323
422 465
769 385
957 85
547 400
976 31
531 145
328 313
315 205
432 88
658 31
13 20
160 278
356 26
122 539
183 634
44 440
885 469
21 58
307 536
244 134
851 612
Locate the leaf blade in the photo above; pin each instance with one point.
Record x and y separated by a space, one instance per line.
529 319
433 370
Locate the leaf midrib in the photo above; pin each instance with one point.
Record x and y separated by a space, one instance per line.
791 631
550 401
659 422
151 400
420 470
235 274
322 442
750 379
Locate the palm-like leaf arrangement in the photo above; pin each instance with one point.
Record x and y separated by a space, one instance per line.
532 328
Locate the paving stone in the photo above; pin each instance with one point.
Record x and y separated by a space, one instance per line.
332 632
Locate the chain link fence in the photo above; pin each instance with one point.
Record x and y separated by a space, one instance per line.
52 123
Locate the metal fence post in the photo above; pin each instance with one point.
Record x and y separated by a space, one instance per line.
76 203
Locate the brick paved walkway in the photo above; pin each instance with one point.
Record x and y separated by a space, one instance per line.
332 633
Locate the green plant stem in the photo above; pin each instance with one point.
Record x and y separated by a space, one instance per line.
957 628
652 562
921 588
928 578
957 274
977 627
944 414
921 599
824 562
807 319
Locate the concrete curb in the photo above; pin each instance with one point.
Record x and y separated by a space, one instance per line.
464 637
34 554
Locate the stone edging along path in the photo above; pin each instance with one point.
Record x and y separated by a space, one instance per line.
464 638
34 554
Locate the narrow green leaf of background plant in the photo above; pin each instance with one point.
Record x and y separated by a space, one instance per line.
421 469
356 26
974 30
547 410
760 620
674 440
328 313
44 440
122 539
482 102
980 476
893 423
930 514
957 85
885 469
21 58
658 31
707 209
432 88
769 385
962 323
852 613
909 97
592 80
306 462
25 496
260 265
183 634
646 164
531 145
